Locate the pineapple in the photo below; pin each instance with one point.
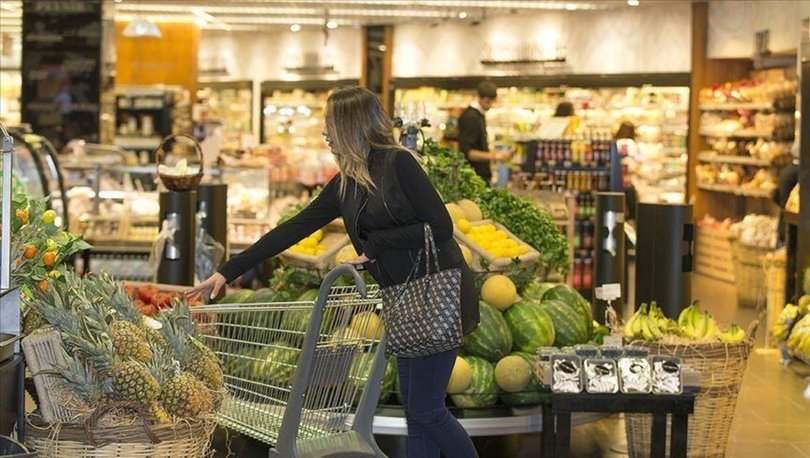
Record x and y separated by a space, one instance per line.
82 380
129 341
159 413
133 382
203 363
185 396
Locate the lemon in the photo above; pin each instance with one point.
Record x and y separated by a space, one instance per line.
522 249
509 243
498 235
317 235
309 251
463 225
488 228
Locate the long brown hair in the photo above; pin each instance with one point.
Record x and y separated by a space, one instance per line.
356 122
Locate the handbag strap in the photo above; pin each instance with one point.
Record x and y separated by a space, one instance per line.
430 247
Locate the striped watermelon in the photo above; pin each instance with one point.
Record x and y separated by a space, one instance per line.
573 299
483 390
492 339
298 320
530 325
274 364
569 328
532 394
236 298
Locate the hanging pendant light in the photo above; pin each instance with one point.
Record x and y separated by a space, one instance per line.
142 28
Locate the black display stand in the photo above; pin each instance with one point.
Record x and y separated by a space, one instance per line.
213 198
178 268
557 419
664 256
610 248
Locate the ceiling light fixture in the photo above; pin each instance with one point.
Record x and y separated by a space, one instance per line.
142 28
571 7
331 25
295 27
633 2
462 15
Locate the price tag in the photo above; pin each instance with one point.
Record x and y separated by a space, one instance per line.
612 341
609 292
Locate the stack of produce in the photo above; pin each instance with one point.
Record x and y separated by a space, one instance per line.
113 353
451 174
497 360
650 324
311 245
792 327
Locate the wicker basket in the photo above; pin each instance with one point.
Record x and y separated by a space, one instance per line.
748 274
721 367
179 183
184 439
775 265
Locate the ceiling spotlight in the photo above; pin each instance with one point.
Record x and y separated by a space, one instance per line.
570 6
295 27
633 2
331 24
382 48
462 15
142 28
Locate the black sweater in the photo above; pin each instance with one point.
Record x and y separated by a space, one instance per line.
386 225
472 134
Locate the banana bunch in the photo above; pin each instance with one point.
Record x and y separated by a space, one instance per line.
784 323
697 325
642 326
666 325
735 334
798 344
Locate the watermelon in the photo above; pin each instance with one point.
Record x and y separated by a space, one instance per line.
298 320
574 300
236 298
360 378
492 339
532 394
535 290
569 328
530 325
262 296
483 390
266 320
274 364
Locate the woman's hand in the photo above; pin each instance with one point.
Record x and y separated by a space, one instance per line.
209 288
362 259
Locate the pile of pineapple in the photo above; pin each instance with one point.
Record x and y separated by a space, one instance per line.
114 353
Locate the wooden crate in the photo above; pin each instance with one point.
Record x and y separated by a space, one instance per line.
713 254
495 264
333 238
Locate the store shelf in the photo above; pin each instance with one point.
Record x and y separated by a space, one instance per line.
734 106
711 156
735 190
746 133
137 142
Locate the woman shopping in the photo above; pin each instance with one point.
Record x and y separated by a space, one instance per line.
390 209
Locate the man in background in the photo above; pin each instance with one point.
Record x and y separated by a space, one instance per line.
472 133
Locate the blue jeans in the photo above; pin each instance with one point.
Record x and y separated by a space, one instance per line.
431 427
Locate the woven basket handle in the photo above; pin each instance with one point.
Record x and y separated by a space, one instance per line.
103 410
160 153
752 329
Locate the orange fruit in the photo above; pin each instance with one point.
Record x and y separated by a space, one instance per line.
43 285
49 258
30 251
23 215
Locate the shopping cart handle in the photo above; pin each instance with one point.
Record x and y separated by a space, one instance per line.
341 270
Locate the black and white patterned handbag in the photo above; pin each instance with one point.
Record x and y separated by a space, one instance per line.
423 316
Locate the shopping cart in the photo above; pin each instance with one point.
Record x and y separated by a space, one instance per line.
294 370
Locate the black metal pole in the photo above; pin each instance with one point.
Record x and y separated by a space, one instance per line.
213 200
177 262
610 249
664 256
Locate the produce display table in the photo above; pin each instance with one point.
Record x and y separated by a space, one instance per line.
557 442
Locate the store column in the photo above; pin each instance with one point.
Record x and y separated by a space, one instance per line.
61 68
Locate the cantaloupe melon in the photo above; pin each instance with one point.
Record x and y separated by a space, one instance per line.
499 292
456 213
513 374
471 211
461 377
367 325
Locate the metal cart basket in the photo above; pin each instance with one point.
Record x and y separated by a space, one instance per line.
294 370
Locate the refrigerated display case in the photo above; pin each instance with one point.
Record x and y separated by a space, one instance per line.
228 104
36 165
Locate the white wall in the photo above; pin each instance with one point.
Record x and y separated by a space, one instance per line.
263 55
733 24
652 38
